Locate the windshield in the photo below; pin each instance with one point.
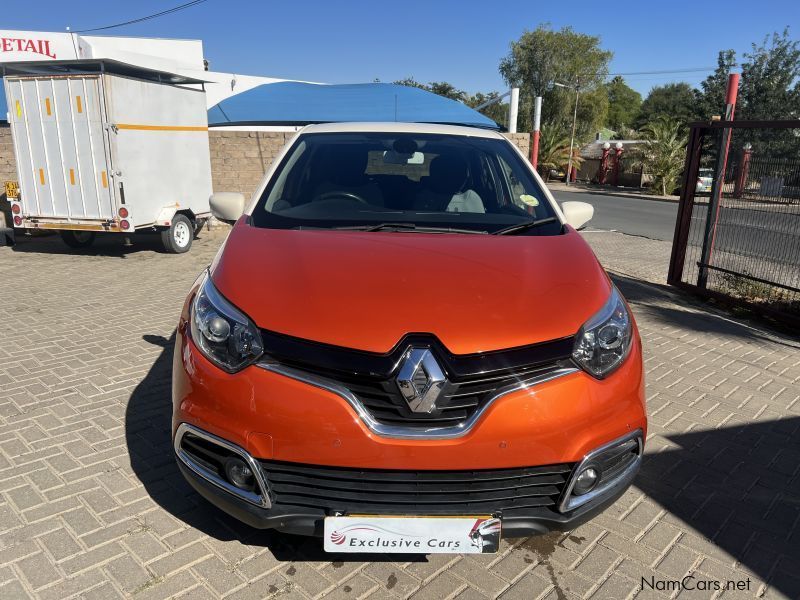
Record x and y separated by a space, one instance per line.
404 181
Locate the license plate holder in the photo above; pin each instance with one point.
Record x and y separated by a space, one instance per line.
398 534
12 190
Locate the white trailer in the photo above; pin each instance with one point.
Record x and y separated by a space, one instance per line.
103 146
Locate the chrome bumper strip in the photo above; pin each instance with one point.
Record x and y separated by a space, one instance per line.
569 502
262 500
398 431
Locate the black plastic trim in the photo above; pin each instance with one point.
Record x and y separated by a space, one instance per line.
321 357
310 522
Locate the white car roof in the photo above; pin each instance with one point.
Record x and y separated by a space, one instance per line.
394 127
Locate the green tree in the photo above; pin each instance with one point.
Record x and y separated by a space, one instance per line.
623 104
663 152
674 100
710 98
497 112
554 151
541 57
411 82
770 89
593 109
442 88
770 86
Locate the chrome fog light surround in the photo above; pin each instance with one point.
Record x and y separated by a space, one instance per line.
573 498
260 493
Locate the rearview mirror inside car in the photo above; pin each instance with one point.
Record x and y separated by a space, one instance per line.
577 214
227 206
391 157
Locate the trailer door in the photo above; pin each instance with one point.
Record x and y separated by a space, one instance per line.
61 146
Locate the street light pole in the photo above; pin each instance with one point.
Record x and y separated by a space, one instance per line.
574 123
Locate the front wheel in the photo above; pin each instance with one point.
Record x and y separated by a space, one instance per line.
78 239
178 238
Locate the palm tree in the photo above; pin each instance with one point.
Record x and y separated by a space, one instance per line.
663 152
554 151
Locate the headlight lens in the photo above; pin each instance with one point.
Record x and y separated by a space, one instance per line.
604 340
222 332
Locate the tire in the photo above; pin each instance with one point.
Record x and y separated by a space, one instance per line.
78 239
178 238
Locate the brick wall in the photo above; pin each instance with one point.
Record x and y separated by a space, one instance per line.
8 171
240 158
8 166
522 141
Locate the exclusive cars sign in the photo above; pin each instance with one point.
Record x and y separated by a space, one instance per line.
412 535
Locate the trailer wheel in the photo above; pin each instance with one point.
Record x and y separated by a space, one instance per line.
78 239
178 238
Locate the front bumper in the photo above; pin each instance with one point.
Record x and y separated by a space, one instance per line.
276 417
269 416
274 507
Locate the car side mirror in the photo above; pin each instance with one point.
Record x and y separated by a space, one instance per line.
227 206
577 214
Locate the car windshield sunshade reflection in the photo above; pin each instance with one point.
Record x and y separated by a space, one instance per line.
372 181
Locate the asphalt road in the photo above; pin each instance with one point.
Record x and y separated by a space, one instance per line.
759 241
634 216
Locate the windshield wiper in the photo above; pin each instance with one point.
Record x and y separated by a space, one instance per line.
524 225
407 227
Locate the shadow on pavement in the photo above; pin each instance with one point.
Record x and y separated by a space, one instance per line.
148 429
739 487
106 245
664 304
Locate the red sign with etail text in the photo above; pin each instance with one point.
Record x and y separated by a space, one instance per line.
34 46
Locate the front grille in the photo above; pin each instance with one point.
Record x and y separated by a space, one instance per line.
458 402
473 379
353 491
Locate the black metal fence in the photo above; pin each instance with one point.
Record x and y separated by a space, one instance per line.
738 231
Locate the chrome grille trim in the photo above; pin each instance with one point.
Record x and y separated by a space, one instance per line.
262 500
623 478
398 431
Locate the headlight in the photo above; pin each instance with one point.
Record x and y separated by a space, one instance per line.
604 340
222 332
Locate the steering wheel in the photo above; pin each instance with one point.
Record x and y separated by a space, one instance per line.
342 194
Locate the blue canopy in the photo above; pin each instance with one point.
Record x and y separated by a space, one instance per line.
295 103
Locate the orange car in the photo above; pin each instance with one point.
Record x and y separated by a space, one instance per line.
404 337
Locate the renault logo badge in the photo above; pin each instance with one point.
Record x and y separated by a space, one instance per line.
421 380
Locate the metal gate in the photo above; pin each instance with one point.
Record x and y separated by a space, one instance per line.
61 146
737 236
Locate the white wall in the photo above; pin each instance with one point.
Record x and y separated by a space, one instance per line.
184 57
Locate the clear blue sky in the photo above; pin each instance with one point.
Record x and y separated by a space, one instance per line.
435 40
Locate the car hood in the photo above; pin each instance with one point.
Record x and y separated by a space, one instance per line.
366 290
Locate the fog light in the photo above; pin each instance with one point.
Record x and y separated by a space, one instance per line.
239 474
585 481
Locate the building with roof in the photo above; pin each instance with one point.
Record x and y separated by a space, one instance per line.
295 104
236 100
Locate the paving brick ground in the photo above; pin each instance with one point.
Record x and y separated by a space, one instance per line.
92 506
